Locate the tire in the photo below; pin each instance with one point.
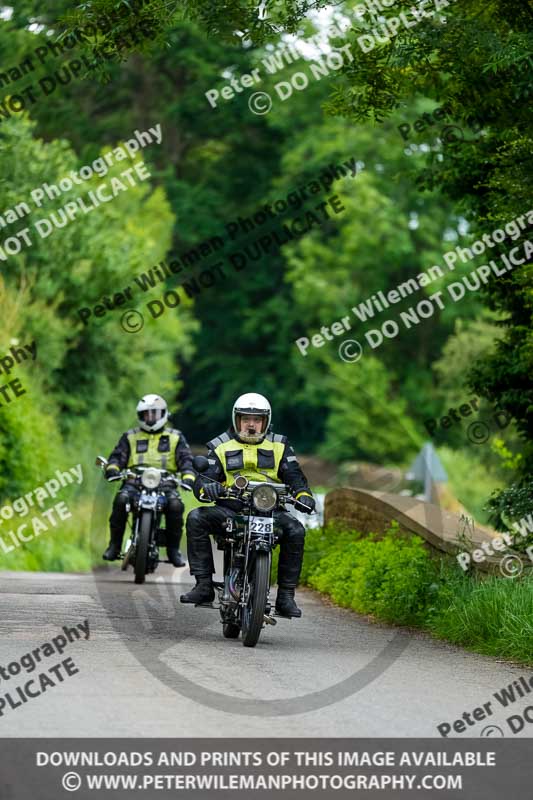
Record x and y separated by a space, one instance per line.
254 613
141 550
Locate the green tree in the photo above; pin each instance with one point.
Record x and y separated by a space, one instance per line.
86 373
475 59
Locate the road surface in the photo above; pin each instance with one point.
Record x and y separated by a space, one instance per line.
153 667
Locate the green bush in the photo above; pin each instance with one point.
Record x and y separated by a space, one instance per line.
397 580
392 578
511 504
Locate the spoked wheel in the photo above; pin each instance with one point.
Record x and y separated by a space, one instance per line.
141 550
254 613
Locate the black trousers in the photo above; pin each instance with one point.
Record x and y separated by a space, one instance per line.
203 521
173 514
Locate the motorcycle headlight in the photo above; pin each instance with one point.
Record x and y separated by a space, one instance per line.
151 478
264 498
240 482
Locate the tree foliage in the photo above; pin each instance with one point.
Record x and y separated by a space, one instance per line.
411 201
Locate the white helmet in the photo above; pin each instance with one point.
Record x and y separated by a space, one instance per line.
152 412
252 403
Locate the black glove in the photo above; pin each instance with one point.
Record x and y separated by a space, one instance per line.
212 491
112 472
308 502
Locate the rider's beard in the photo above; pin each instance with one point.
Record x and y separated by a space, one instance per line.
251 438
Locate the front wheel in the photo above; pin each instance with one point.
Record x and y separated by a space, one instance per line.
254 613
141 549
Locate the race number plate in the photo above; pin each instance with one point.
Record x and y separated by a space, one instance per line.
261 525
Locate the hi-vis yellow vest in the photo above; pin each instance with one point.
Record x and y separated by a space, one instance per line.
153 449
257 462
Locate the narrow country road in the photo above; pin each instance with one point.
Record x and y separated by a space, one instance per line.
153 667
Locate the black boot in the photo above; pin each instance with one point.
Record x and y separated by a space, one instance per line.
175 558
203 592
114 547
285 605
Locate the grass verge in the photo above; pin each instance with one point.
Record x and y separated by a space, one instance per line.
395 579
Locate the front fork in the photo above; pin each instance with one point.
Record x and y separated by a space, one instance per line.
232 593
269 620
156 509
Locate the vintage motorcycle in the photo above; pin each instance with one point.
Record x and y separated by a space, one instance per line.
142 546
249 539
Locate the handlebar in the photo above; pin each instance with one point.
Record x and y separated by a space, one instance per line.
245 495
128 474
231 493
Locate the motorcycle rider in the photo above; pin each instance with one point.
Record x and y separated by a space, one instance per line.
247 448
153 444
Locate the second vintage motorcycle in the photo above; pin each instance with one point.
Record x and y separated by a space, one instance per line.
142 547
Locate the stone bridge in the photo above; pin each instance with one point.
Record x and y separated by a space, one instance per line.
443 531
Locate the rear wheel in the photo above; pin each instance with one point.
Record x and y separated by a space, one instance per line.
141 550
254 613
